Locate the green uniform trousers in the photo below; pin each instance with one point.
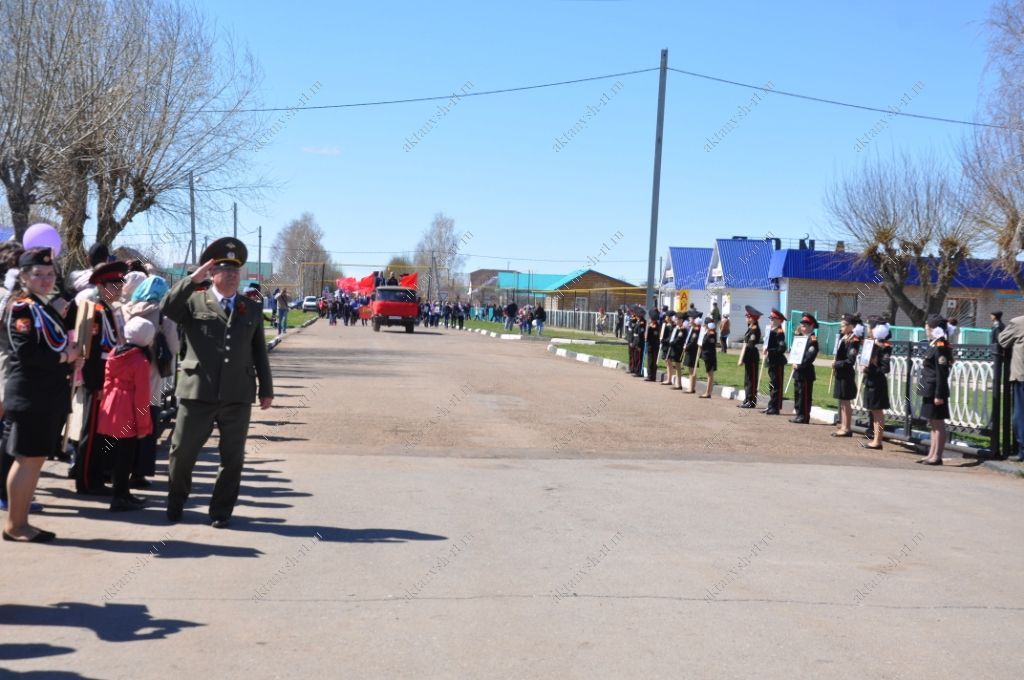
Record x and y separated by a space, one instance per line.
193 426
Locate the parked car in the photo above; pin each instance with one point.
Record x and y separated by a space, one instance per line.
395 306
309 303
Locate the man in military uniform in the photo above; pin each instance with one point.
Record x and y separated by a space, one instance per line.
227 353
751 358
775 356
803 373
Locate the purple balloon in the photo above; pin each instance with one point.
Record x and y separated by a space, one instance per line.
42 235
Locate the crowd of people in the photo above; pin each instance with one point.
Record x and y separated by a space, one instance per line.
85 358
685 340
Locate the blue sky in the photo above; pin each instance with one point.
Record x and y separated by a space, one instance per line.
490 162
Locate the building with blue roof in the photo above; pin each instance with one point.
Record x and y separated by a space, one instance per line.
738 276
684 279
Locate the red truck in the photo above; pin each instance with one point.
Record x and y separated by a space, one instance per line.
394 306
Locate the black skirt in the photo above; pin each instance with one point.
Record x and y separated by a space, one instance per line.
34 435
675 354
690 359
876 393
845 385
710 360
930 411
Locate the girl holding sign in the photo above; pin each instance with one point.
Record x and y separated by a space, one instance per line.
691 349
844 367
876 384
709 355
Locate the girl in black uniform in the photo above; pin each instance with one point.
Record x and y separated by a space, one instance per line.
844 367
709 355
876 384
934 388
690 351
37 396
675 353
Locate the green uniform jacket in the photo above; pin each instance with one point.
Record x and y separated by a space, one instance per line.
224 356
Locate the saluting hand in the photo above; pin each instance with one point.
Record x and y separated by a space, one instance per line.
199 275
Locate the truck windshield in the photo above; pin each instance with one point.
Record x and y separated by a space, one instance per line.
396 295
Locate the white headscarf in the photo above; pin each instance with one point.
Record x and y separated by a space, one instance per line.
938 333
858 330
881 331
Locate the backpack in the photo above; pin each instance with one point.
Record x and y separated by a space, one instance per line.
162 351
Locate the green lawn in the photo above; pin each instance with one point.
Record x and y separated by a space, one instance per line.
549 331
295 318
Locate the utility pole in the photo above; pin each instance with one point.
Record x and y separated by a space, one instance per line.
234 212
323 273
192 213
259 256
656 191
661 277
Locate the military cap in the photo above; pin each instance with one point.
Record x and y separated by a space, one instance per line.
776 314
809 320
694 315
226 251
34 256
751 312
254 285
850 319
99 253
109 272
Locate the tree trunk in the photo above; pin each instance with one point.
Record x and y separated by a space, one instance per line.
73 214
20 187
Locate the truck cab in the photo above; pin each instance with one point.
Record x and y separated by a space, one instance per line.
394 306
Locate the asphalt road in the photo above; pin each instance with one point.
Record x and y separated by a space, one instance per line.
448 505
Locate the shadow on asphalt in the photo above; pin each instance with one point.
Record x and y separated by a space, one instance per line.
111 622
163 549
30 650
273 525
46 675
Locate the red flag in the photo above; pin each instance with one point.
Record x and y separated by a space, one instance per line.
409 280
348 284
367 284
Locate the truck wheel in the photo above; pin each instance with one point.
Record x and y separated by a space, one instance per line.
376 325
408 327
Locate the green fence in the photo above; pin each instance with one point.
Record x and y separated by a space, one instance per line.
828 331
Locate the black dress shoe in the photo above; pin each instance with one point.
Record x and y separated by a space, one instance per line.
140 483
864 445
799 421
220 523
841 434
748 404
101 490
126 504
932 462
174 514
770 412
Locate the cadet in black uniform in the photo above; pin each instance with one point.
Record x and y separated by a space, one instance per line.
37 394
876 384
691 350
653 344
803 374
751 358
997 326
775 356
844 369
635 339
668 324
934 387
709 355
676 340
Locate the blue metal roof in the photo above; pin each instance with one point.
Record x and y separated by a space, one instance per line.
745 263
521 281
568 279
689 267
845 266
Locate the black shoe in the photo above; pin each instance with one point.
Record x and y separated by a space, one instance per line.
40 537
220 523
770 412
748 404
126 503
800 421
140 483
174 515
101 490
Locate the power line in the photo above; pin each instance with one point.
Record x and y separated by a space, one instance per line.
693 74
822 100
430 99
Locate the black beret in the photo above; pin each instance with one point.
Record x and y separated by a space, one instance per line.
34 256
998 315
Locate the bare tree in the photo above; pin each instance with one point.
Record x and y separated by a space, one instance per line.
906 216
300 258
993 159
438 252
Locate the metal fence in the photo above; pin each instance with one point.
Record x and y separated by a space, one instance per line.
979 394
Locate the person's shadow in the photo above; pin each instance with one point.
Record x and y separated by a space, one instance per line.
111 622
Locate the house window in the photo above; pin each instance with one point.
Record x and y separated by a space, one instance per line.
581 304
841 303
964 310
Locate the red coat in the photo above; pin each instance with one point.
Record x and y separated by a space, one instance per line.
124 404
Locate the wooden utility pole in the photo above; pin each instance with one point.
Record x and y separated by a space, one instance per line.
192 213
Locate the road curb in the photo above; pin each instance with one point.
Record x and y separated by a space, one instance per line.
277 340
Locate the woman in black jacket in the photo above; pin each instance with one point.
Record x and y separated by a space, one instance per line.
876 384
690 352
709 355
37 395
934 387
844 368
